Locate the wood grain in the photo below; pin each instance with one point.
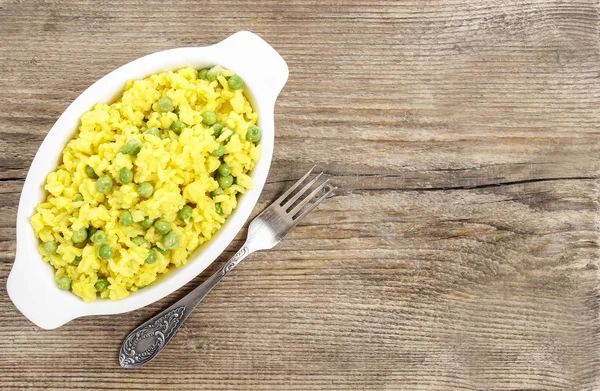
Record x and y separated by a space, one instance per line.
461 250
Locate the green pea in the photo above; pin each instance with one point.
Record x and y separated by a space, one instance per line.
202 73
90 172
162 226
126 219
177 126
106 252
145 189
220 151
151 258
104 184
214 72
79 235
146 223
102 284
209 118
91 231
219 209
125 175
132 147
99 237
64 283
160 250
165 105
217 129
79 198
224 169
253 134
139 241
217 192
76 260
225 181
185 213
154 132
171 240
50 247
235 82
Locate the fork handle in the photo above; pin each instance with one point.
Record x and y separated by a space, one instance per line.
150 338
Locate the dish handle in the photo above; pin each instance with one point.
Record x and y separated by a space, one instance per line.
34 292
260 65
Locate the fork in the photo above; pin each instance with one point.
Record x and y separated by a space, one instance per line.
264 232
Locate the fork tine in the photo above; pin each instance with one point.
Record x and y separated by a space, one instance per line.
300 192
294 186
306 199
313 205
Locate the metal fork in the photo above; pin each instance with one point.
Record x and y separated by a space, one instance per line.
265 231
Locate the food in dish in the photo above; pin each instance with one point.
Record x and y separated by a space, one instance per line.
146 180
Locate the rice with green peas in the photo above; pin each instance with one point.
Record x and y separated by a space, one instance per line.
146 180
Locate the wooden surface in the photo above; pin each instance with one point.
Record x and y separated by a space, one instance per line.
461 251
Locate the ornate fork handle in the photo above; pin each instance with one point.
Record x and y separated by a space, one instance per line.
151 337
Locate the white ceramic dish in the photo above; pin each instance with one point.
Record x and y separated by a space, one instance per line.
31 284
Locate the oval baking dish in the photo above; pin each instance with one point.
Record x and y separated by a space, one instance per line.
31 284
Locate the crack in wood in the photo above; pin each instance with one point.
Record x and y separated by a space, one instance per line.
11 179
476 187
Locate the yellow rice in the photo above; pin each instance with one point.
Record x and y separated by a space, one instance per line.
180 167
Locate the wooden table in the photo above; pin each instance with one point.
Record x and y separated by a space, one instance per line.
461 250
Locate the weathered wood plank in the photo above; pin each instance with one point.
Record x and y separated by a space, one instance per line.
461 250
